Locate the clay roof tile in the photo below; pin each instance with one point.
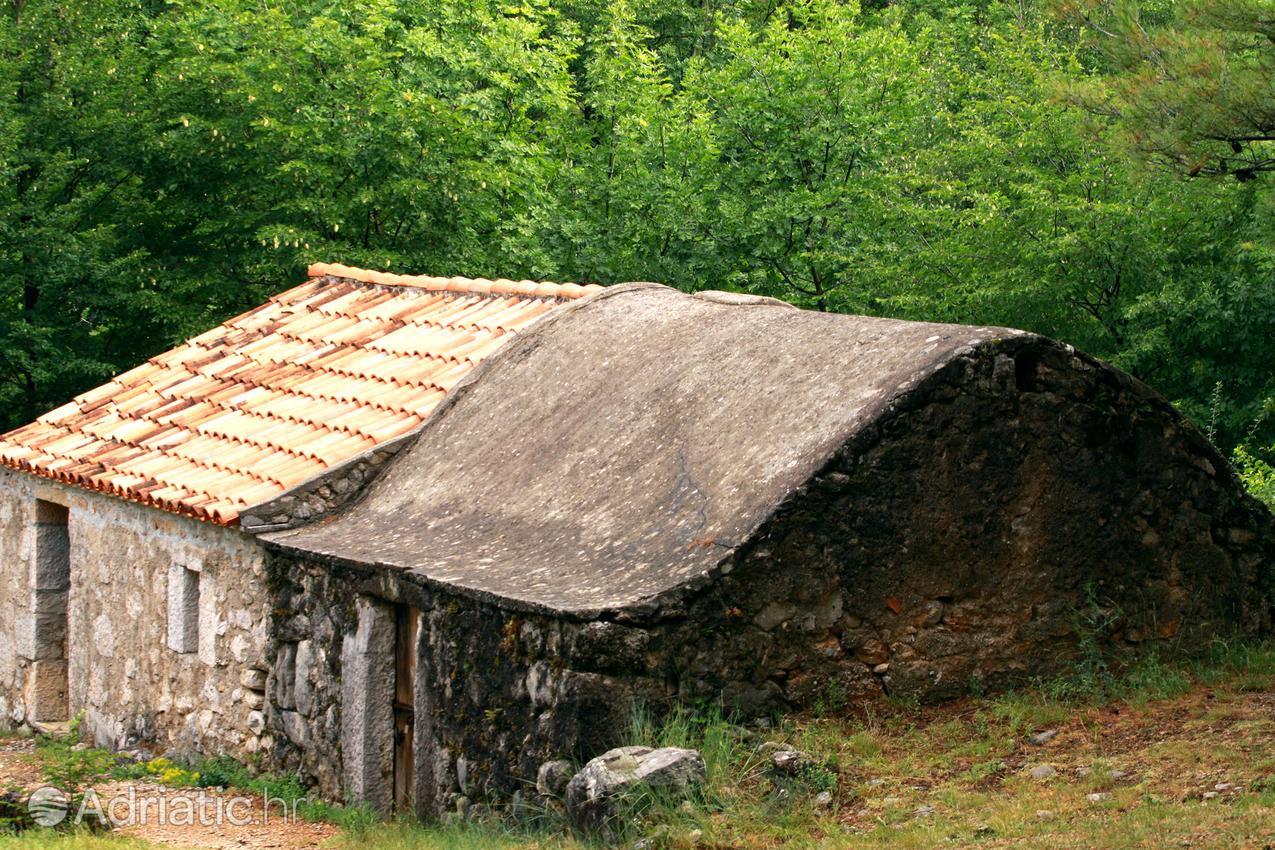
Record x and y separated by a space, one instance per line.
315 376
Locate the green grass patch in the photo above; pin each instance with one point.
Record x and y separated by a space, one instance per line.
79 839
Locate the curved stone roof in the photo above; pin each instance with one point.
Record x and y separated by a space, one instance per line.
273 398
627 444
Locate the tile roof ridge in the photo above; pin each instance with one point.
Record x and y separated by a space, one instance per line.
471 286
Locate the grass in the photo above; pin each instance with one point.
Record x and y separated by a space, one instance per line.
1137 758
48 839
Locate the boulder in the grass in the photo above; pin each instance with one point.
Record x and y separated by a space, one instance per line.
598 793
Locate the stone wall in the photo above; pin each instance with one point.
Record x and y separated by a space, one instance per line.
1021 506
496 693
17 541
322 496
125 672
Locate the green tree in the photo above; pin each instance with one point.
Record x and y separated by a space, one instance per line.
1193 83
808 113
633 192
77 295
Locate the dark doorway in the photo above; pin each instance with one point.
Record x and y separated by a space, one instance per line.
408 622
48 700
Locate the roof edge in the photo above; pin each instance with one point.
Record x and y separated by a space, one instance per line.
473 286
273 537
643 609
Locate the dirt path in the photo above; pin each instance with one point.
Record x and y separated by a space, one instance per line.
228 820
204 818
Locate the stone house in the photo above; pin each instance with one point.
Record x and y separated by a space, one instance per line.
129 588
641 495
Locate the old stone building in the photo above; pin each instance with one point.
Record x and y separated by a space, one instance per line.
644 495
129 589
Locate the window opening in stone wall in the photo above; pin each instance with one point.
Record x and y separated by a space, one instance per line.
183 608
47 699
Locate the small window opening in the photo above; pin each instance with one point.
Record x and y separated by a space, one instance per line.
183 609
47 698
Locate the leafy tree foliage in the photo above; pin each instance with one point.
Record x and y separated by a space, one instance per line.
1196 81
165 164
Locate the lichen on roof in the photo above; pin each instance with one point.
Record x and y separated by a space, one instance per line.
627 444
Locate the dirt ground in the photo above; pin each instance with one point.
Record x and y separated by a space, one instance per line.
178 817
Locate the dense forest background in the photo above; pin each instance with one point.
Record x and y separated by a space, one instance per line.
1093 170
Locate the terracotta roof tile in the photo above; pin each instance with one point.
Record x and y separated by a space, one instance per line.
270 399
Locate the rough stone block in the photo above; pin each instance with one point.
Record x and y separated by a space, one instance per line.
209 625
297 730
50 602
24 633
285 673
45 692
253 679
183 608
48 636
367 717
104 636
51 566
303 687
8 664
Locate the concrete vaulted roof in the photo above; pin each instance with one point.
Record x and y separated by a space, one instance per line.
626 444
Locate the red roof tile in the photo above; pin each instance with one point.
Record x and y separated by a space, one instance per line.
272 398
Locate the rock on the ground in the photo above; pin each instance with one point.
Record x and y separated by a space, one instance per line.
766 749
789 762
596 794
1043 771
1042 738
552 778
823 800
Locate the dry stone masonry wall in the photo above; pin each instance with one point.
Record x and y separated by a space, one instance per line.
1023 499
1019 503
323 495
127 671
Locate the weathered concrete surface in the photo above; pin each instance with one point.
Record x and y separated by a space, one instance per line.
122 672
662 430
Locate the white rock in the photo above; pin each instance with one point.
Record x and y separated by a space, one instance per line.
594 794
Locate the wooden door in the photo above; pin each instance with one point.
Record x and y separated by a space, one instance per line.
408 628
